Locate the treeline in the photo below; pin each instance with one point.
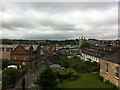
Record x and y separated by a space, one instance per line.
20 41
43 42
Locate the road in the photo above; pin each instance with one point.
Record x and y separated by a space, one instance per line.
29 78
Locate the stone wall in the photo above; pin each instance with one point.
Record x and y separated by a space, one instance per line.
111 73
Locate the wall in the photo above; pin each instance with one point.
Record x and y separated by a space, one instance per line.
5 55
111 73
86 56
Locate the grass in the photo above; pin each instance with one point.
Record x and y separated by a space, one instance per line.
86 80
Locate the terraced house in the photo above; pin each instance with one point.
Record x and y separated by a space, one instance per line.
109 59
95 53
110 67
28 55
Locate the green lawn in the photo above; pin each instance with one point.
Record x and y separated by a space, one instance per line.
86 80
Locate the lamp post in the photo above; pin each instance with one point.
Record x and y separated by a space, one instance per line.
23 83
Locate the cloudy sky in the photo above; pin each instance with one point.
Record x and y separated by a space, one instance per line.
59 20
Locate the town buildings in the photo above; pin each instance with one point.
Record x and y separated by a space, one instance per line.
28 55
110 67
22 54
5 51
108 55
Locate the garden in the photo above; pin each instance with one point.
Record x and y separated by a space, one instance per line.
10 76
77 74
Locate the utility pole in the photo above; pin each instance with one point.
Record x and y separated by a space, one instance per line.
23 83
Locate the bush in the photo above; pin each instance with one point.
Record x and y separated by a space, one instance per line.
100 77
5 63
23 71
47 79
67 74
107 82
79 65
10 77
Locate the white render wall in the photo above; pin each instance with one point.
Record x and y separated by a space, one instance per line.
87 57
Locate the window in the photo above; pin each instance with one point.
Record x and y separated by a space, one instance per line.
117 72
22 52
106 68
7 49
104 48
16 52
14 58
109 49
24 57
3 49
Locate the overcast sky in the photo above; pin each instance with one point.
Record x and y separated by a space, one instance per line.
60 20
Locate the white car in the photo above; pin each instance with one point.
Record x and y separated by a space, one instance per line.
12 66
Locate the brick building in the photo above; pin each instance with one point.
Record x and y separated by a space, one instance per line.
28 55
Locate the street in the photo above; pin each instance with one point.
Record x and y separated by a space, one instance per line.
29 78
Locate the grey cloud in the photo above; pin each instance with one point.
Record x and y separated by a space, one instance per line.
61 6
60 36
29 16
55 24
18 24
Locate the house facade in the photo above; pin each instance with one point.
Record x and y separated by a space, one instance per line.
28 55
5 51
95 53
110 68
109 59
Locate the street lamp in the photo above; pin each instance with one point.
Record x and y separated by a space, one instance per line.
23 83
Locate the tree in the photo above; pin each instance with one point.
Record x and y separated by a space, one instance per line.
5 63
85 45
10 77
47 79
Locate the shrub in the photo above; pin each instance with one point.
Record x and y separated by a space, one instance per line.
114 86
80 66
5 63
100 77
107 82
10 77
66 74
47 79
23 71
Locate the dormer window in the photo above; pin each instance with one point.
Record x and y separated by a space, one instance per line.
109 49
104 48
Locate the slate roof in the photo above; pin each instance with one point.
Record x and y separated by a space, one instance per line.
27 47
113 57
35 47
53 58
